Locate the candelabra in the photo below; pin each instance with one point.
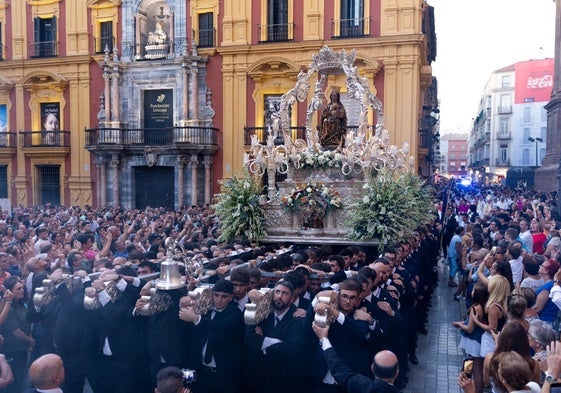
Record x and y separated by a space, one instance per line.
268 158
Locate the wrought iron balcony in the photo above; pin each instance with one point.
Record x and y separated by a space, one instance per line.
503 110
350 28
45 138
101 43
43 49
152 136
261 133
282 32
205 38
7 140
501 162
503 135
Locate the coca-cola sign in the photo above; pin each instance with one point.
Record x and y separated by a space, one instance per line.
540 82
534 81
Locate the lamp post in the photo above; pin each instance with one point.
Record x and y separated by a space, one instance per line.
536 140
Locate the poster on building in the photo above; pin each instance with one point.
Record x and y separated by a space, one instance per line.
50 116
158 108
534 81
3 118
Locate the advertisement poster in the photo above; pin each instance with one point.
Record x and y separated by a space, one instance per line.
3 118
158 108
50 116
534 81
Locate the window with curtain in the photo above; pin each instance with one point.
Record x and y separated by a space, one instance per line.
44 34
277 20
352 18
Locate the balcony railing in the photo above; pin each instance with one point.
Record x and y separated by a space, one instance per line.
44 138
152 136
350 28
503 110
101 43
282 32
261 133
205 38
7 139
503 135
43 49
501 162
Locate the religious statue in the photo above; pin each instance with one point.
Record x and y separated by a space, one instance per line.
333 123
158 36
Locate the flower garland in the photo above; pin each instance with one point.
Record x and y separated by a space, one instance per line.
312 194
316 159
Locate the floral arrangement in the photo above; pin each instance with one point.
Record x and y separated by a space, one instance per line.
312 194
316 159
390 208
240 209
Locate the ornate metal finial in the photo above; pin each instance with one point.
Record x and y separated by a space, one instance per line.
169 245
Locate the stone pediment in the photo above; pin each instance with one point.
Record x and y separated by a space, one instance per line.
103 3
273 66
41 80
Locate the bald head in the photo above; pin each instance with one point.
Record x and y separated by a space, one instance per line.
385 366
47 372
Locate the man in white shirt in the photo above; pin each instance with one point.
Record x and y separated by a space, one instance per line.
514 252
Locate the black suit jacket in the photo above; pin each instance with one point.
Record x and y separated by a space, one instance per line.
354 383
224 337
282 367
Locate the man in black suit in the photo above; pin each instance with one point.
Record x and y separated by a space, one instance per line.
349 334
277 348
46 373
216 351
385 368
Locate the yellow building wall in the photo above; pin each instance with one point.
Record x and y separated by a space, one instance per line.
274 67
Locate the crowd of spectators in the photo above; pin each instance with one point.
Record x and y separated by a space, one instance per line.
503 250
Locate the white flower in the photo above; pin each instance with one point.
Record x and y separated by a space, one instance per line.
309 189
338 156
246 185
366 199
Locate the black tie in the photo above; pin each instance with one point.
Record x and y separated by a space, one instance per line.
277 321
208 353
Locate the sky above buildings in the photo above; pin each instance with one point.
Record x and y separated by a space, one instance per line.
477 37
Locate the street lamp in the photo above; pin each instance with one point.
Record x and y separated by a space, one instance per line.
536 140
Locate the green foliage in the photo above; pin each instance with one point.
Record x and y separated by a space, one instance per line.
239 209
390 208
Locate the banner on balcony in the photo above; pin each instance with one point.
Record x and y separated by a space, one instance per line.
3 118
158 108
50 116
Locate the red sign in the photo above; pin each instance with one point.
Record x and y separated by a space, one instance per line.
534 81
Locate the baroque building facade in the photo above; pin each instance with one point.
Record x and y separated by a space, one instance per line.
157 100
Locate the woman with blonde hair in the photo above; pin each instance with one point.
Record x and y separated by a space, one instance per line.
495 312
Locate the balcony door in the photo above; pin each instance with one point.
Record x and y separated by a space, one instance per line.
45 37
154 186
277 21
352 18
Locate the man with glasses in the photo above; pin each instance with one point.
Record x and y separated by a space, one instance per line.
348 334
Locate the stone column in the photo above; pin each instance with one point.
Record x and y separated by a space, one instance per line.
550 164
194 99
208 166
107 93
115 97
185 101
101 165
115 166
180 181
194 190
